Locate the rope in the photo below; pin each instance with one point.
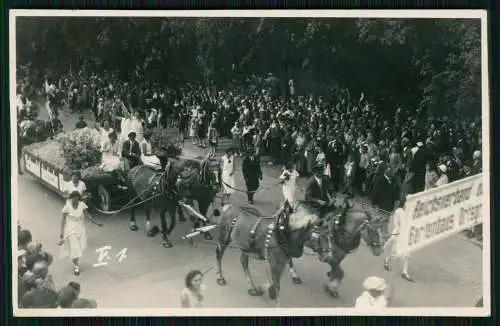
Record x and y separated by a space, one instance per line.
127 205
251 191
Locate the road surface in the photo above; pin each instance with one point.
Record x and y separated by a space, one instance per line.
447 274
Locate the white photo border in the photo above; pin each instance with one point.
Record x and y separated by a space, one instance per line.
173 312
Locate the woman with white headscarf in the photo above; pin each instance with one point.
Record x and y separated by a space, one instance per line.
375 295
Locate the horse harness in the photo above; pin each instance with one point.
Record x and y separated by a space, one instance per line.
273 228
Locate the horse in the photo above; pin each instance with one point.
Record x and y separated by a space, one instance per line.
164 189
275 239
341 235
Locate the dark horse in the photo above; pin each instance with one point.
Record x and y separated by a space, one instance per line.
164 189
275 239
340 235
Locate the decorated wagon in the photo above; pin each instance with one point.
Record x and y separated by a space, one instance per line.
53 161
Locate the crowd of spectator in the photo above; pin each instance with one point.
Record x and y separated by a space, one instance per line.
356 142
36 288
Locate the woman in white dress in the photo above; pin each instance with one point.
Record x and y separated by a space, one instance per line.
73 237
289 179
227 176
75 184
147 157
397 221
136 126
104 132
110 154
125 127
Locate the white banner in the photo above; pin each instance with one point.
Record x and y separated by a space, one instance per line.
440 212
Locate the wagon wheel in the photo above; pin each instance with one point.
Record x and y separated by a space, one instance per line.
104 199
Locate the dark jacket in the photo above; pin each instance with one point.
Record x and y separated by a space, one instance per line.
132 153
385 193
314 192
252 173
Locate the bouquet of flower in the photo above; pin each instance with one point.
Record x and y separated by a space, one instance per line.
48 151
164 144
81 148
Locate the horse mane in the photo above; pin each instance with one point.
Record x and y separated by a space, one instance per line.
302 216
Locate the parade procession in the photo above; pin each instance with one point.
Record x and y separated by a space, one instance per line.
235 185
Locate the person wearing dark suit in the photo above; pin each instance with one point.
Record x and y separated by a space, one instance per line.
131 152
252 173
417 167
385 193
319 191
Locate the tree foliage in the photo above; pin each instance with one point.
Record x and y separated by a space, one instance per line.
432 63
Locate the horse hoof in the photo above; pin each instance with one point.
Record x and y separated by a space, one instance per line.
297 280
167 244
134 227
221 281
207 236
332 293
256 292
191 242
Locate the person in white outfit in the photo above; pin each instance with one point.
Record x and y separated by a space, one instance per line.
397 220
136 126
227 175
289 179
443 178
375 294
73 236
75 184
104 131
147 157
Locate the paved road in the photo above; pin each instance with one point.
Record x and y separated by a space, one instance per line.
447 273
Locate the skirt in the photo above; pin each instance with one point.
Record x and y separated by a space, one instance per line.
228 183
74 245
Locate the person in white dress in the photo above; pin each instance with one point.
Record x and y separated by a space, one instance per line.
397 220
375 295
136 126
124 127
111 160
104 132
147 157
289 179
73 237
75 184
227 175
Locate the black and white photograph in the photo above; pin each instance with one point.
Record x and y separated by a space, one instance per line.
253 163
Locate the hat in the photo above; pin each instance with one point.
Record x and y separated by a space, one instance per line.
420 144
374 283
476 155
132 134
442 168
74 194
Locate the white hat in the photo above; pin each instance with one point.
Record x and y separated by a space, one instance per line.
476 155
442 168
374 283
420 144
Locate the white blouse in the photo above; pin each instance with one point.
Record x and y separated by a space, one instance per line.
70 187
149 149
